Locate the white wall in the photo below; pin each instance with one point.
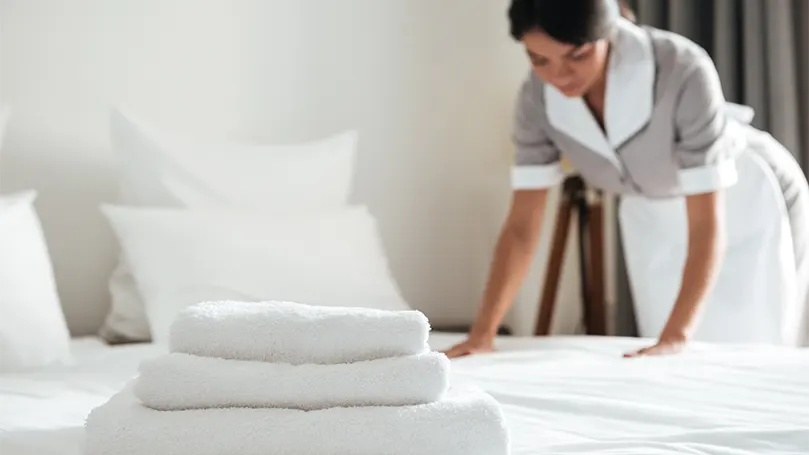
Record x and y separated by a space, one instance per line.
429 84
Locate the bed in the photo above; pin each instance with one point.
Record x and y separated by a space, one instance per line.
561 395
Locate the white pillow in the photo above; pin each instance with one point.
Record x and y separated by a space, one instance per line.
307 176
180 257
33 330
314 175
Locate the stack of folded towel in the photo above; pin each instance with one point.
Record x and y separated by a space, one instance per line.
287 378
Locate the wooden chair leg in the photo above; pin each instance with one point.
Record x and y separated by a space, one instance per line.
550 286
592 258
596 319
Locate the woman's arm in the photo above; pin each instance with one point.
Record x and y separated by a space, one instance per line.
512 260
706 247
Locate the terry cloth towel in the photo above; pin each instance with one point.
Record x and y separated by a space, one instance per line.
181 381
466 422
296 333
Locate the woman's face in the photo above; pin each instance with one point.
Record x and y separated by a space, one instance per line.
573 70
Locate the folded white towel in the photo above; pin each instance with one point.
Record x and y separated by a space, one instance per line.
466 422
183 381
297 333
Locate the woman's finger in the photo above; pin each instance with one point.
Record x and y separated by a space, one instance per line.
457 351
638 353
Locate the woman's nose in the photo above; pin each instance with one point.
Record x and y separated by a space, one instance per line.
562 74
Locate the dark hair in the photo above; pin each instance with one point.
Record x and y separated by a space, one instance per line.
569 21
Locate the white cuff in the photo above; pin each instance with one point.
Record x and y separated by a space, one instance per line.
740 112
536 177
705 179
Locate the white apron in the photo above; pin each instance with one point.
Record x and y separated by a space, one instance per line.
754 299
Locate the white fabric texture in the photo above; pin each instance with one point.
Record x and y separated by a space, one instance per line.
296 333
179 381
466 422
754 298
721 174
331 258
709 178
166 169
317 174
33 330
577 396
400 403
42 411
560 395
537 177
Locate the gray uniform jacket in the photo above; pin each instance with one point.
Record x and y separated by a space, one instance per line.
669 131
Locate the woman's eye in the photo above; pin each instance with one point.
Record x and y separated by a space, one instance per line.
539 62
581 56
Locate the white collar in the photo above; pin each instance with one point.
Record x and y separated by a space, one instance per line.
629 98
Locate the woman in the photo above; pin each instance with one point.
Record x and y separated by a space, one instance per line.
714 213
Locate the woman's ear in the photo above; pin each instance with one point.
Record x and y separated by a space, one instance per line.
626 11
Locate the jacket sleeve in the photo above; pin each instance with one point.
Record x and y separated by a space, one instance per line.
707 136
537 160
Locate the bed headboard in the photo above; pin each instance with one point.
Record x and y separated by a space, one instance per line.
433 112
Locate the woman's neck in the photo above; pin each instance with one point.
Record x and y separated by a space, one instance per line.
595 99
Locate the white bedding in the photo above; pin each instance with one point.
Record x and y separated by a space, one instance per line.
42 413
561 395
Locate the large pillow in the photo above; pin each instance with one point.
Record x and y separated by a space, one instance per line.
33 330
314 175
306 176
180 257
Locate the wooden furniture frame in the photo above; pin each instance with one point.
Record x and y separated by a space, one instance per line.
588 205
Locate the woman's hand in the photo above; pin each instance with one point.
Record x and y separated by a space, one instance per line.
512 259
668 344
472 345
706 247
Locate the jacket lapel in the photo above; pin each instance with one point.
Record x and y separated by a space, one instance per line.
629 97
572 117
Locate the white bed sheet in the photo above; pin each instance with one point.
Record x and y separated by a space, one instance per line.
43 412
561 395
566 395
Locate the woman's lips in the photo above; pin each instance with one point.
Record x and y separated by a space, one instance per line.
570 88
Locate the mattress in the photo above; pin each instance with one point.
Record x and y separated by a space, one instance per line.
579 396
561 395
